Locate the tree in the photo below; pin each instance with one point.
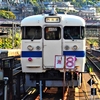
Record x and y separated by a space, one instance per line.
94 42
6 42
7 14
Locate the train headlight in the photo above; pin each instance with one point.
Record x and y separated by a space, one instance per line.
29 47
38 47
66 47
75 47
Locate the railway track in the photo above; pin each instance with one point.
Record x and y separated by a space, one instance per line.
52 93
94 62
57 94
69 93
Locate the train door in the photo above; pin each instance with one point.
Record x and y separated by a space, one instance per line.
52 45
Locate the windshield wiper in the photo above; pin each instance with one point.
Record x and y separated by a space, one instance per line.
33 38
34 35
71 37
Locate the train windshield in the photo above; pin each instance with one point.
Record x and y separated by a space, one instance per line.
72 32
32 32
52 33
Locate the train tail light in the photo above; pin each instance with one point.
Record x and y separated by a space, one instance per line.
29 59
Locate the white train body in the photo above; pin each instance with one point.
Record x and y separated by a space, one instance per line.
44 36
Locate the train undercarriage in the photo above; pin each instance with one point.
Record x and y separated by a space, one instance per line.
54 78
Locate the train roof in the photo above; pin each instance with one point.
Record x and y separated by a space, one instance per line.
39 20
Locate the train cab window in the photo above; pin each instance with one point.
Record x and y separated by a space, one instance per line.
52 33
32 32
72 32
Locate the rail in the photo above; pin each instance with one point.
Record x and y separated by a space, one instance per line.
95 75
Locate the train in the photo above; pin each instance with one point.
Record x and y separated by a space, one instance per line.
53 49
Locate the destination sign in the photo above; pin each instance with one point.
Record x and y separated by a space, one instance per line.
52 19
52 29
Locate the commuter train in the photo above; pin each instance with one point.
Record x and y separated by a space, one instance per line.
53 49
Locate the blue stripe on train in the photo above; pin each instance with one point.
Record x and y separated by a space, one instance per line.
74 53
65 53
31 54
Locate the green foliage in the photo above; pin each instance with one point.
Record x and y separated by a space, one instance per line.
33 1
7 42
98 9
37 7
7 14
93 41
17 40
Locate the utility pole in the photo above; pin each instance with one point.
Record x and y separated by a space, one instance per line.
99 36
13 32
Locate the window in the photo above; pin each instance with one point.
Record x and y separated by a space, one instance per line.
73 32
52 33
32 32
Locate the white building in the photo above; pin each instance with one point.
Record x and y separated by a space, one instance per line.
65 5
88 10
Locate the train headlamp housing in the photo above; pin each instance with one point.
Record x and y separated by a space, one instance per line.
29 47
66 47
75 47
38 47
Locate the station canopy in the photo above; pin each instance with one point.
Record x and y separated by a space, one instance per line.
7 24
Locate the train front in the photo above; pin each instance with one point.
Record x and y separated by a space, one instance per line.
53 49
